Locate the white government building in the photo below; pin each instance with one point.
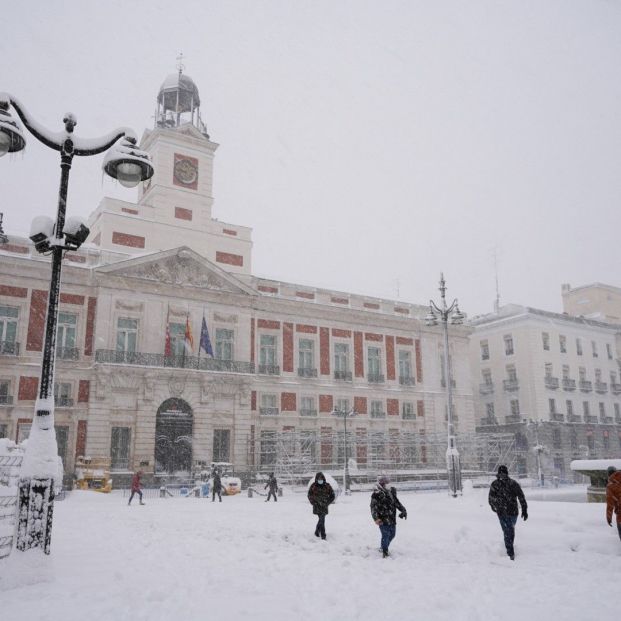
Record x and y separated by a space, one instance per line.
285 356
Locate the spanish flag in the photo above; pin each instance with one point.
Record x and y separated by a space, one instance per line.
189 339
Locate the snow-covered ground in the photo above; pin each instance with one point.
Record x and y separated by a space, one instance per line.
183 559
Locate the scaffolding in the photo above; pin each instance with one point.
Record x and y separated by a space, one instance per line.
295 456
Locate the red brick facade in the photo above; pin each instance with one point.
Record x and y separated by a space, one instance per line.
268 324
72 298
300 327
287 347
390 357
324 351
90 326
13 292
360 405
125 239
28 387
288 402
358 355
183 214
392 407
325 403
36 321
80 441
419 362
84 391
229 258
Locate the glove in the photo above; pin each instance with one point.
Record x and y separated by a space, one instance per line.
403 515
524 515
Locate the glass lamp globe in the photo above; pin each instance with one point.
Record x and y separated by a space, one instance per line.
5 143
129 174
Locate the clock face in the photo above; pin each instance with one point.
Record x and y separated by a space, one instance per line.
186 171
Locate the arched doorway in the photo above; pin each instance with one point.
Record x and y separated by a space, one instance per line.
173 437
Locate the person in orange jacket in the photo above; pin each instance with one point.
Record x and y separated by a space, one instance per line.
613 497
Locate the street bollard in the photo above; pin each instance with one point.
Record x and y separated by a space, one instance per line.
280 491
250 492
162 492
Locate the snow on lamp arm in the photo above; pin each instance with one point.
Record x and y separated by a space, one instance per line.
129 165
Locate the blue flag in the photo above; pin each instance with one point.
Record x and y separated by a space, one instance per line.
205 342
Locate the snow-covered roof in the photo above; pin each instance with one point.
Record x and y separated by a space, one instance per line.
595 464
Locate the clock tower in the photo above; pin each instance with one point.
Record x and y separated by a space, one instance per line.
174 207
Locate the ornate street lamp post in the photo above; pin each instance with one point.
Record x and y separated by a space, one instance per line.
345 415
129 165
444 314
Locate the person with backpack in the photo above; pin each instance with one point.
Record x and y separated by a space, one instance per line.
321 495
384 505
504 494
136 487
613 497
272 483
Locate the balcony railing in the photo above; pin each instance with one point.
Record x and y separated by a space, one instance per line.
6 399
67 353
406 380
489 420
269 411
342 375
573 418
557 416
376 414
375 378
408 415
569 384
601 387
605 420
443 382
269 369
63 402
487 388
307 412
590 419
616 389
513 418
9 348
511 385
307 372
179 362
551 382
585 385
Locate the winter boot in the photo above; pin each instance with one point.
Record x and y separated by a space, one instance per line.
385 553
142 503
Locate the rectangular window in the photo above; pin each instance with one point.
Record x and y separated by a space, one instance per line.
594 348
407 410
585 408
548 369
606 439
267 455
224 344
306 354
511 373
374 363
617 410
119 448
562 343
341 357
573 438
267 350
489 410
8 328
62 394
62 440
5 393
177 338
4 430
342 405
556 438
598 375
552 406
222 445
579 346
569 404
545 338
405 364
582 374
565 371
613 377
377 409
484 350
126 334
307 406
515 407
590 441
508 345
487 377
602 409
66 334
269 404
609 351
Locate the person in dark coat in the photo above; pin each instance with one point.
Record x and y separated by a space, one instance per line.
613 497
216 487
272 483
136 487
504 494
321 495
384 505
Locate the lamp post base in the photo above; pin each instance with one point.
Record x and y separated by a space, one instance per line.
453 466
34 518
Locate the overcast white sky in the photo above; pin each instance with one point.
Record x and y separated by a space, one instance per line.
370 145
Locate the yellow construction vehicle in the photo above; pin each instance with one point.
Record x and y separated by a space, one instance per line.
93 473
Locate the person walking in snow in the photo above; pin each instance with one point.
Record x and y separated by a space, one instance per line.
613 497
321 495
216 487
136 487
272 483
384 505
504 494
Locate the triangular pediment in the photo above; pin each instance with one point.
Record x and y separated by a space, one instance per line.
179 266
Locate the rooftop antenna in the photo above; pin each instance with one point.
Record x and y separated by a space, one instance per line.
180 65
497 300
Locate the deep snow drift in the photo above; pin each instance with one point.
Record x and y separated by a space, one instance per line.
183 559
